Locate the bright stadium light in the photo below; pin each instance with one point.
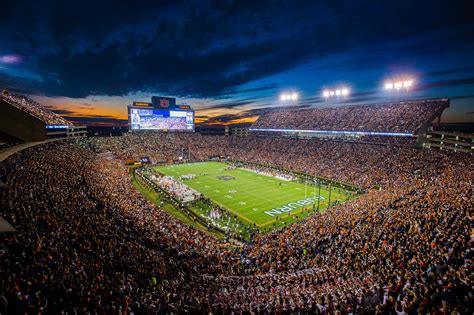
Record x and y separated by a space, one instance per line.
407 84
289 96
399 86
338 92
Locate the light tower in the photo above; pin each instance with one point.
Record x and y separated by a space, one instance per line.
399 86
289 97
336 93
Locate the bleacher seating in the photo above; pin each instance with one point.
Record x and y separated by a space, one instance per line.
406 117
33 108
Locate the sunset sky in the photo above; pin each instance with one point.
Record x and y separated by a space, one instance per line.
230 60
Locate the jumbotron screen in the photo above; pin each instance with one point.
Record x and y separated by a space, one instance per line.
159 119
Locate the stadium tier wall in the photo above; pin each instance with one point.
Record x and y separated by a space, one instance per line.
20 125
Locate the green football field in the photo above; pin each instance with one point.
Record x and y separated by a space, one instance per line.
253 197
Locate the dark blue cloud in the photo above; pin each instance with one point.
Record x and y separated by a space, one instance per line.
204 48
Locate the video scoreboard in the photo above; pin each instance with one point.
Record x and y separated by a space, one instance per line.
161 114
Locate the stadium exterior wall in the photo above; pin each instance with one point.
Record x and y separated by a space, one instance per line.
20 125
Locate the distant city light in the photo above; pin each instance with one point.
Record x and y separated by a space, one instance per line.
289 96
397 85
342 91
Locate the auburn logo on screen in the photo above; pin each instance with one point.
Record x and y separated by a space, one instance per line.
164 103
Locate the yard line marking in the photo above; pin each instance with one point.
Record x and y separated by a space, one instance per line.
250 190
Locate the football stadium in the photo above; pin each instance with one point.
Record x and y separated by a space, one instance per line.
192 222
335 203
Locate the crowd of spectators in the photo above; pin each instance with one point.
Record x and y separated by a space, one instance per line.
267 171
406 116
179 190
362 164
32 107
88 241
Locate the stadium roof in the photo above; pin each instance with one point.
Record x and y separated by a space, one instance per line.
6 227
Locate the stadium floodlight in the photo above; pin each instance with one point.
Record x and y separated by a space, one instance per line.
338 92
407 84
289 97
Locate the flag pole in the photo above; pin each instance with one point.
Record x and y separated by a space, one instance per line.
330 189
319 192
314 189
305 182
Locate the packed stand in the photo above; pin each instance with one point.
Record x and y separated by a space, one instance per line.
34 108
405 117
87 241
346 162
